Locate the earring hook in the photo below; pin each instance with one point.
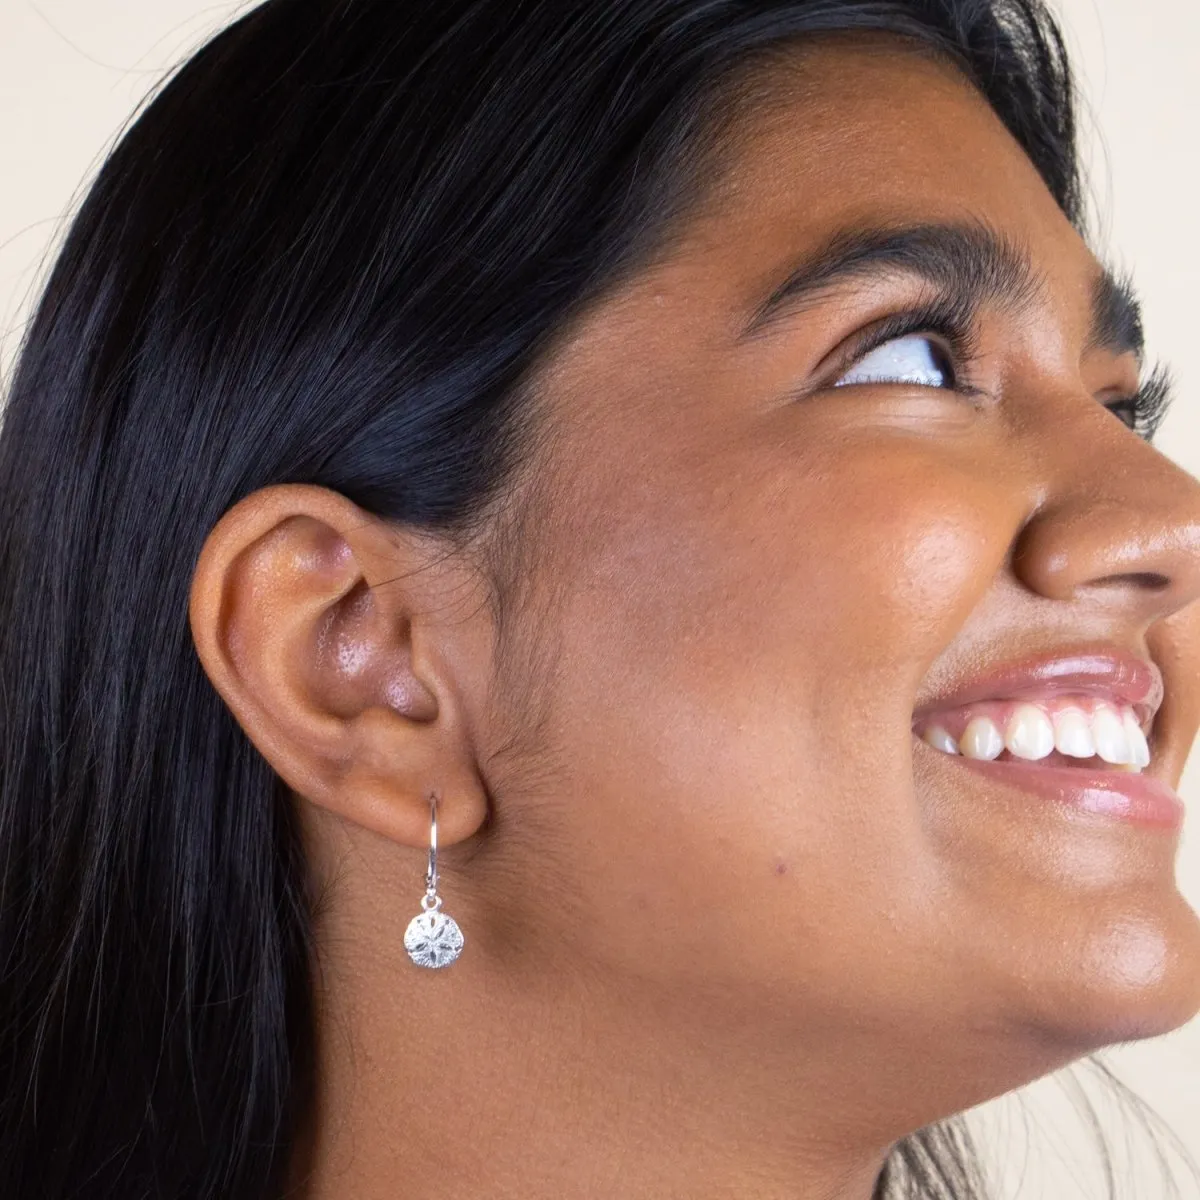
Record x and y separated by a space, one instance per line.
431 871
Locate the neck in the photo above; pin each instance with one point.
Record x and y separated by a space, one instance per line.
437 1083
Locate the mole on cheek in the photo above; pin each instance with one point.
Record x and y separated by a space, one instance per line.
781 868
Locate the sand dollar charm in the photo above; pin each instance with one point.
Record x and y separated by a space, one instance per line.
433 939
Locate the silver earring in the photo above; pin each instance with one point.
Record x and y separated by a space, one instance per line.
432 939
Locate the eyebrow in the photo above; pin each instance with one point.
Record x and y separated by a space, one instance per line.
970 264
1116 316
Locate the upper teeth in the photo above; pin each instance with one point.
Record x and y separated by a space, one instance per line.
1029 731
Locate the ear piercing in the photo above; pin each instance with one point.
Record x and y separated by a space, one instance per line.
432 938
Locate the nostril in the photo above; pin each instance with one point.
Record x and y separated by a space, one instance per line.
1152 581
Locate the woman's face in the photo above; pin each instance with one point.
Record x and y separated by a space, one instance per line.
712 813
758 579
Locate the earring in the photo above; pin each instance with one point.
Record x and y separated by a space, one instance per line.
432 939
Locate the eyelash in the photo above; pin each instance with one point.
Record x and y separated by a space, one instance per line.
1147 407
1150 404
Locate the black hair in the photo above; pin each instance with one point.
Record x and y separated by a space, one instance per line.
329 250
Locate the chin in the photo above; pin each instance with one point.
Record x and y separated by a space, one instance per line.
1137 976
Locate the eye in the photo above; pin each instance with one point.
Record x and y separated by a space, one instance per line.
1146 409
914 358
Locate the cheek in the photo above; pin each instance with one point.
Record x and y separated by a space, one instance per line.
884 556
742 649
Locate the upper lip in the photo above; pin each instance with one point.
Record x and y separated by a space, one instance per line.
1116 674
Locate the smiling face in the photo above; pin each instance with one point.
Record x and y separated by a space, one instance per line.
772 544
842 484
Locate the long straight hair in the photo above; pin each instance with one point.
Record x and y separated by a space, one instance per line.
329 250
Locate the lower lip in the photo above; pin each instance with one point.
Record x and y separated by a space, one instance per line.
1139 799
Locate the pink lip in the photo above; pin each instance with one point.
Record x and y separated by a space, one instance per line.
1115 674
1120 676
1141 799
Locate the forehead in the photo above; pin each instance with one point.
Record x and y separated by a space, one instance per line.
871 132
874 127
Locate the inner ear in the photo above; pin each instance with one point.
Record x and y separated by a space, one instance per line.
364 648
332 637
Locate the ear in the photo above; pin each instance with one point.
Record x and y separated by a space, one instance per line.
352 653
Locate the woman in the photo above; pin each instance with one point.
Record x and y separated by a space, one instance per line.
684 458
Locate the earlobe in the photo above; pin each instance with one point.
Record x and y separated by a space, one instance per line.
319 626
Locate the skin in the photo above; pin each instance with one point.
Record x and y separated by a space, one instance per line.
730 929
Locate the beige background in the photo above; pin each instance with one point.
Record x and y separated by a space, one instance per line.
71 72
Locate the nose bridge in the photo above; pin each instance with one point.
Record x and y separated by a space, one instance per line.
1118 522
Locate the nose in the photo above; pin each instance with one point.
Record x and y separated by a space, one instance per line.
1119 525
